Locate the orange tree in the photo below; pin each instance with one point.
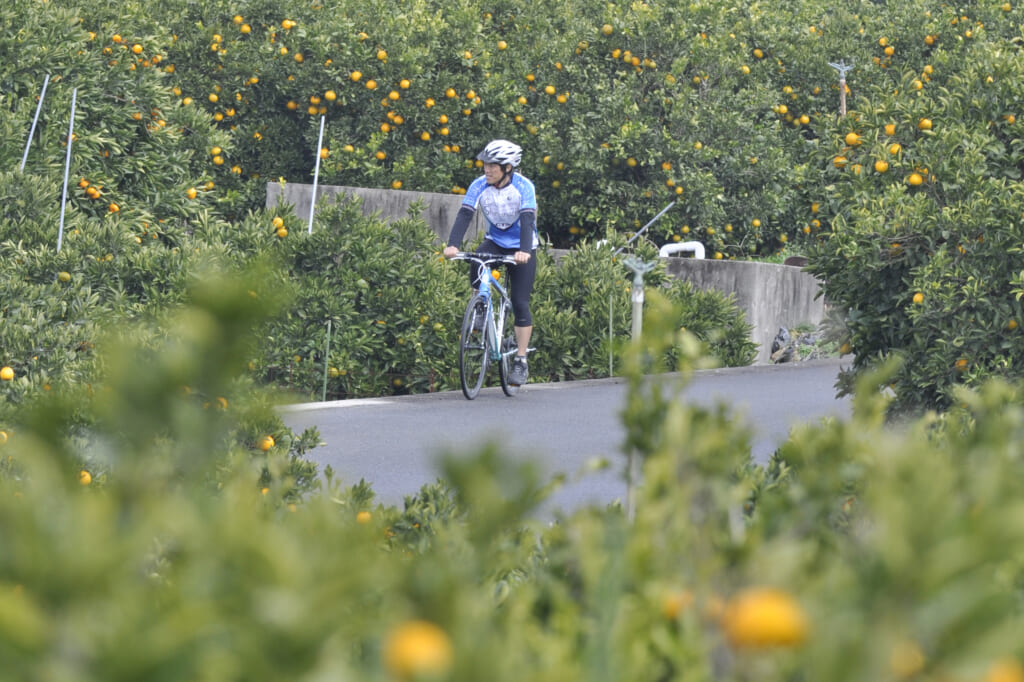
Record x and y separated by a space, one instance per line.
924 190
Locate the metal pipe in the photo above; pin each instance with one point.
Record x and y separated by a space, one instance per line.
35 119
67 170
316 173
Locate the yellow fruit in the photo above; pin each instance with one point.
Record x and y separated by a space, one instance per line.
756 222
363 517
676 602
915 179
845 349
417 649
764 617
960 365
881 166
136 48
266 443
371 84
758 53
382 55
502 45
356 75
839 161
1011 325
396 184
852 139
191 193
64 276
282 232
84 477
549 89
895 148
330 95
924 124
890 129
918 298
277 222
607 29
6 374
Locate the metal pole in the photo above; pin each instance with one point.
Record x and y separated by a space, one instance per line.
642 229
316 173
611 368
67 169
842 67
35 119
327 360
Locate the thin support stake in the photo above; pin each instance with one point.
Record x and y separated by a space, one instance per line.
316 172
611 367
35 120
642 229
67 169
327 359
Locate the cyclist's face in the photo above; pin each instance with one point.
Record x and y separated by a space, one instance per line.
493 172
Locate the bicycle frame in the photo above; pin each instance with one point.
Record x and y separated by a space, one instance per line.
493 323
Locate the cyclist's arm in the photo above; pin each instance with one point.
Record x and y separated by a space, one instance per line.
459 227
527 226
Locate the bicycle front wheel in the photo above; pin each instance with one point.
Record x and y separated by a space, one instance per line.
473 352
508 349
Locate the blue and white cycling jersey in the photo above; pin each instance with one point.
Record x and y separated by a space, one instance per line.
501 208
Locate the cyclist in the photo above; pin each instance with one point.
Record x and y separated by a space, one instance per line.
509 203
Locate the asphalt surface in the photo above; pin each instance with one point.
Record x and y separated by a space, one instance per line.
395 443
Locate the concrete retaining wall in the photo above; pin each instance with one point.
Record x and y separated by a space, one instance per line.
770 295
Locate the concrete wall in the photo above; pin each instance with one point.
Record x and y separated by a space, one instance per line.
438 209
770 295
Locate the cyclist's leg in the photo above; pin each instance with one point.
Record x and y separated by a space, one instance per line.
520 288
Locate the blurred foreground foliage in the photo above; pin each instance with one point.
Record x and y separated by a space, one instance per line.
149 530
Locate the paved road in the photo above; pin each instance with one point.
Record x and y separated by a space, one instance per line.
395 443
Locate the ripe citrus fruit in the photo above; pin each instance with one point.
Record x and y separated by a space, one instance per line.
924 124
417 649
6 374
919 298
84 477
915 179
764 617
881 166
266 443
64 276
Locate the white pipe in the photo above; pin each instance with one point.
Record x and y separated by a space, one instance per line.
316 173
67 169
669 249
39 107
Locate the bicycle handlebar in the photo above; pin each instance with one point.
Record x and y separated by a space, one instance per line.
484 258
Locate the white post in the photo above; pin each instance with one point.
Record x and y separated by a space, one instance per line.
67 169
316 173
35 120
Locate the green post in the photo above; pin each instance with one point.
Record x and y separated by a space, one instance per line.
327 360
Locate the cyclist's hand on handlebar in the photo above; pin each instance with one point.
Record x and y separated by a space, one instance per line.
521 257
450 251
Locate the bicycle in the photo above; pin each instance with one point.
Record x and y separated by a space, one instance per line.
483 341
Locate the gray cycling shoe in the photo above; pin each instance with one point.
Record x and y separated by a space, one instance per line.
520 372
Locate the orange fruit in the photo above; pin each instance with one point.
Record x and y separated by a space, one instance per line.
191 193
918 298
84 477
924 124
881 166
852 139
915 179
417 649
363 516
6 374
266 443
355 76
764 617
607 29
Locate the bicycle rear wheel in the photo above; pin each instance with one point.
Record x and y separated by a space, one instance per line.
508 349
473 355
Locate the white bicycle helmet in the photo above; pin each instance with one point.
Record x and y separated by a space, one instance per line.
501 152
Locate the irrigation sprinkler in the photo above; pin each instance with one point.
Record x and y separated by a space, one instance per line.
611 363
842 67
639 268
35 120
67 170
316 173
